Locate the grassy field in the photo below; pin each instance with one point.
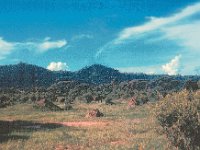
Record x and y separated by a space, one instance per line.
23 127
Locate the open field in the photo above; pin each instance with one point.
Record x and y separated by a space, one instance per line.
22 127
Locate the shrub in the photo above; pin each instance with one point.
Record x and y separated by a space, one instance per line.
178 114
108 101
4 101
88 97
191 85
33 98
141 99
67 107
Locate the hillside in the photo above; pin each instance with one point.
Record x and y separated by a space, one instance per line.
97 74
27 76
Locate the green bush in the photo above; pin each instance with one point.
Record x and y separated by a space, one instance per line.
179 115
88 97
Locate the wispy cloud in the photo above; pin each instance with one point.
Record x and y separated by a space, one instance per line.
5 48
103 48
82 36
47 45
172 67
58 66
41 46
157 23
185 35
141 69
181 30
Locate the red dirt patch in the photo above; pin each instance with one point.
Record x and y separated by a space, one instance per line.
136 120
132 103
119 142
83 124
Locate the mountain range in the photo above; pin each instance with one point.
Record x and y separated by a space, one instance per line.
24 75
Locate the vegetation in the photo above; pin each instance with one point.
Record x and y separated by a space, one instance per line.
34 100
26 76
119 128
180 119
4 101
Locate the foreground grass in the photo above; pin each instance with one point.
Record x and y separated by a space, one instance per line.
127 129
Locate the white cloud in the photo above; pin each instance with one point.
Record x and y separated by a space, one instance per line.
158 23
186 35
47 45
181 30
43 45
82 36
5 48
172 67
57 66
179 27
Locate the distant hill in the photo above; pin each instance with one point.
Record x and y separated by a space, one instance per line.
24 75
97 74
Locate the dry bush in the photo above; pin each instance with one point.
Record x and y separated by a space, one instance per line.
178 114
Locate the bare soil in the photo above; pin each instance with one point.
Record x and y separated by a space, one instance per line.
84 123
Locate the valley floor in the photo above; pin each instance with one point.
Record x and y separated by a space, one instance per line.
22 127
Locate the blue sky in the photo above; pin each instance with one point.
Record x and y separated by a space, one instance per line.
130 35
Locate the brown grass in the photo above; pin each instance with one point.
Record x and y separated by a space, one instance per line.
119 128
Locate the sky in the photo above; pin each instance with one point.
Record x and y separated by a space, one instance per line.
150 36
